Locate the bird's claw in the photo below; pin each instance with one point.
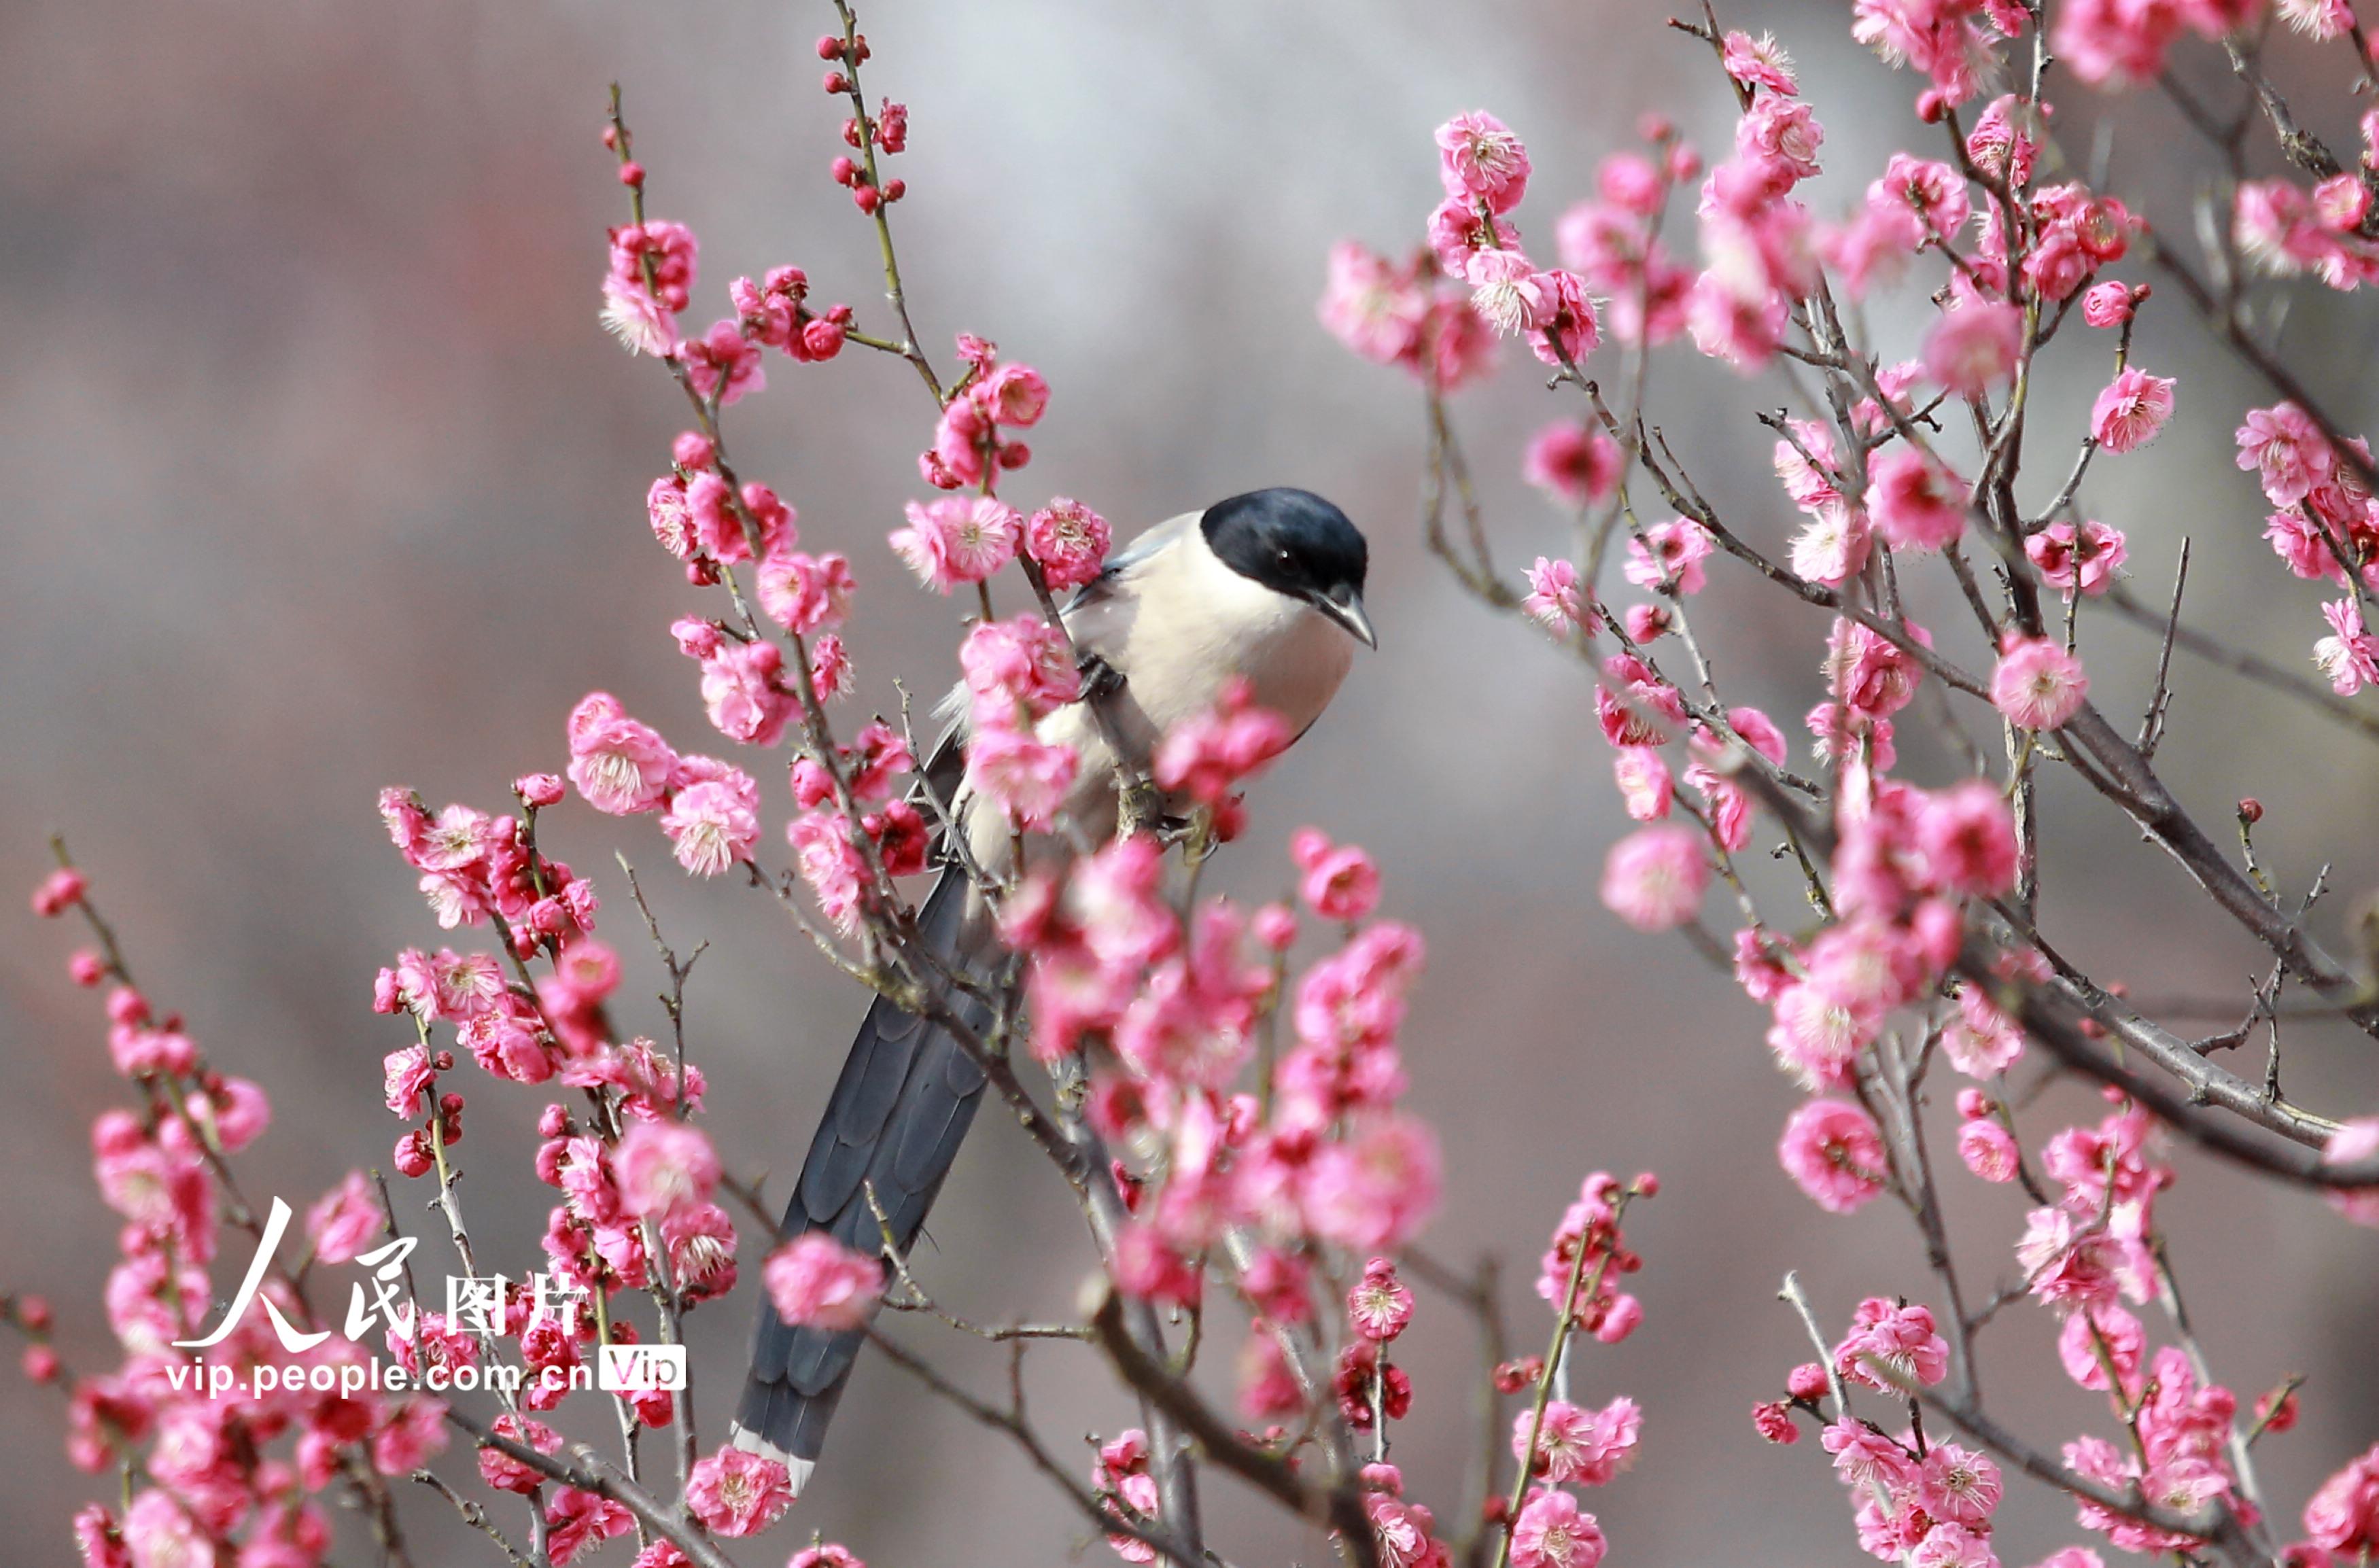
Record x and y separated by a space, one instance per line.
1100 679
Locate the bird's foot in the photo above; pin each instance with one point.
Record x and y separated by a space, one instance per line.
1100 680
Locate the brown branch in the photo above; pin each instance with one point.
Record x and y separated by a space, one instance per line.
1338 1507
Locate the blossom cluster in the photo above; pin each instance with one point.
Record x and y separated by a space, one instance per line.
1919 949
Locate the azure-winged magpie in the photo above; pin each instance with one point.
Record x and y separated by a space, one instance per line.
1267 588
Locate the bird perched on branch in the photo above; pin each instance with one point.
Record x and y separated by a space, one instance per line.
1266 588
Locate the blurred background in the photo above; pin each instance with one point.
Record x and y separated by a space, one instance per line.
321 476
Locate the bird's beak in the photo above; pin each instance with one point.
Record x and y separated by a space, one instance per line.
1346 606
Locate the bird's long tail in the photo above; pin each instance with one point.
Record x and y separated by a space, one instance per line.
907 1092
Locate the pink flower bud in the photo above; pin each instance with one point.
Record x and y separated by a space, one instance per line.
33 1312
87 969
553 1121
2250 810
1276 927
40 1363
866 197
631 174
829 47
895 189
2106 305
59 892
845 171
692 450
539 791
836 82
1806 1380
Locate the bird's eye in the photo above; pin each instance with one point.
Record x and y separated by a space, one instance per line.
1283 555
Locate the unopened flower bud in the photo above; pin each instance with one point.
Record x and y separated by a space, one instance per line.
2251 811
836 82
1806 1380
829 47
845 171
33 1312
40 1363
631 174
895 189
868 198
539 791
692 449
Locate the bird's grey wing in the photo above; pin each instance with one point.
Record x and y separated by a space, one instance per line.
1100 614
1124 562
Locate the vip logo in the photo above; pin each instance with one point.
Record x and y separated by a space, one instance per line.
640 1368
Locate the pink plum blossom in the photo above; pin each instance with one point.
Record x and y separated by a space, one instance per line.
817 1282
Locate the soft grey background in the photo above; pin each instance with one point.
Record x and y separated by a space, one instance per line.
320 477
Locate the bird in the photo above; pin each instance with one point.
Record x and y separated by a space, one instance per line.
1264 587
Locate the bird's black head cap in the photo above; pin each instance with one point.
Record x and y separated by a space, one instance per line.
1295 543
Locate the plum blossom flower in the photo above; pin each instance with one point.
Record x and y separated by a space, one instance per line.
1025 777
2349 656
958 540
2037 684
2319 20
2287 450
714 824
1967 839
1553 600
1834 1152
817 1282
2085 558
1379 1306
2132 410
1554 1532
504 1473
738 1493
1206 755
2343 1516
1988 1150
1653 878
620 766
1974 347
1377 1186
1480 160
1671 552
1508 292
1572 464
2356 1141
1916 504
743 694
2108 305
663 1166
1581 1446
1758 62
343 1222
1374 309
1341 881
1068 541
1890 1346
806 592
